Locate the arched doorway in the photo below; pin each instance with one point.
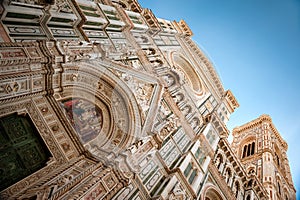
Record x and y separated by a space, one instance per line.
212 194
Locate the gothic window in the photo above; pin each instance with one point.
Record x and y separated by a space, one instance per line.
197 153
248 150
252 148
202 159
190 173
228 175
188 169
192 176
277 159
237 189
22 150
212 194
218 161
248 197
250 183
279 189
244 151
211 137
200 156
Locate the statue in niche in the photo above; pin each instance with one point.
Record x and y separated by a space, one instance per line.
195 122
85 117
170 126
170 80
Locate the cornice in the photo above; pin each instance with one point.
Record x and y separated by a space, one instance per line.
183 27
257 122
151 21
231 100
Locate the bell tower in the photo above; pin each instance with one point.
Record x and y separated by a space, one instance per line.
263 153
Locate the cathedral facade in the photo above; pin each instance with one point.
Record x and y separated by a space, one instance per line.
100 99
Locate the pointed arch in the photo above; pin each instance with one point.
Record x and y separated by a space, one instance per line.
92 82
211 192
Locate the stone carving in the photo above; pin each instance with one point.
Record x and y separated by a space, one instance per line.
136 64
157 63
39 77
186 110
142 91
149 51
25 29
10 88
170 80
170 126
61 6
142 39
35 2
177 193
12 53
195 123
178 97
76 51
57 31
44 131
140 150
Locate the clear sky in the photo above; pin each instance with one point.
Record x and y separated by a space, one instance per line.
255 48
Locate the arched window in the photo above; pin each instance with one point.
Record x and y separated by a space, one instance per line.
253 148
188 169
218 161
213 194
271 194
277 159
248 197
250 183
228 175
244 151
248 150
237 189
279 189
190 172
192 176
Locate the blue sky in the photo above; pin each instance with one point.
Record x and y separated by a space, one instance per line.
255 47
